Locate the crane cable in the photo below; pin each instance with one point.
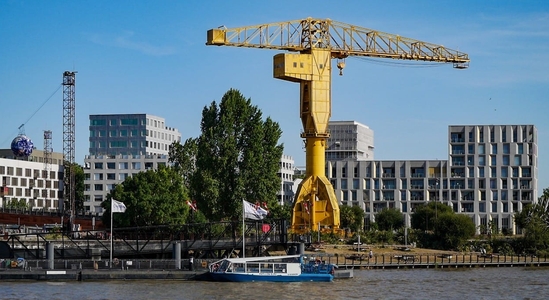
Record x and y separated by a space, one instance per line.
34 113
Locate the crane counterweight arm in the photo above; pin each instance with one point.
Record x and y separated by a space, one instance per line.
341 39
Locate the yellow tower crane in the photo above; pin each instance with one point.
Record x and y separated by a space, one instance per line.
314 43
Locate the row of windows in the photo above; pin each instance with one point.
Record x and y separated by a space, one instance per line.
517 160
116 122
29 183
15 171
460 149
124 165
101 187
421 184
118 133
516 171
25 192
527 134
503 195
465 207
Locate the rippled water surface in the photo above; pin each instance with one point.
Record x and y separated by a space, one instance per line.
476 283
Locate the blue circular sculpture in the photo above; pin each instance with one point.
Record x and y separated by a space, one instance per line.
22 146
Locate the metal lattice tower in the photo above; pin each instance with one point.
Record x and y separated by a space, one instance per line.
47 151
69 144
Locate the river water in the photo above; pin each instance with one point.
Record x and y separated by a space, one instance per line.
463 283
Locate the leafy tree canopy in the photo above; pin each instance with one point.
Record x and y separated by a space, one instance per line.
351 217
235 157
453 230
424 216
154 197
443 228
79 187
534 219
390 219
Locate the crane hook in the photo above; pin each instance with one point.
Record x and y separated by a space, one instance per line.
340 66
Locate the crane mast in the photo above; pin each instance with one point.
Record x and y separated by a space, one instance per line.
312 44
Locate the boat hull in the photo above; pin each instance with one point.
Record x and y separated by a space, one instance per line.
237 277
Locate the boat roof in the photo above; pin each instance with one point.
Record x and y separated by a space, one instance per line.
262 258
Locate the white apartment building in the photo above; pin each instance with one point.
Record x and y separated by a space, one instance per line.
491 173
286 174
349 140
103 172
39 185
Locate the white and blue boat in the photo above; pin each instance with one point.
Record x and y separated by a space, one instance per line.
288 268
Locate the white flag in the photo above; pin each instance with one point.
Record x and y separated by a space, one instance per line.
253 212
117 206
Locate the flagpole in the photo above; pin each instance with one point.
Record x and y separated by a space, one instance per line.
243 224
110 262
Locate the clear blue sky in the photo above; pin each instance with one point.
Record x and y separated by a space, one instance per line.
150 57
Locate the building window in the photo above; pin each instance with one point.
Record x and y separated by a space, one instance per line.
343 184
506 160
98 122
129 122
98 166
504 172
482 207
481 149
112 133
506 149
494 149
97 187
480 171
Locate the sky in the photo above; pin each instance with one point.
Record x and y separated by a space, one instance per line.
150 57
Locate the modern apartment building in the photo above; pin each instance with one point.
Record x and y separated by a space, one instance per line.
491 173
349 140
31 180
103 172
122 145
130 134
286 173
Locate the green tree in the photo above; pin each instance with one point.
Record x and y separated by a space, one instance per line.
534 219
79 187
183 158
425 216
351 217
236 157
154 197
453 230
15 203
442 227
390 219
